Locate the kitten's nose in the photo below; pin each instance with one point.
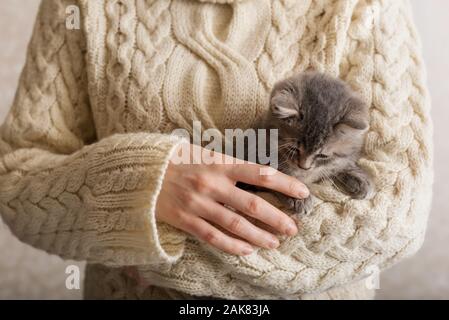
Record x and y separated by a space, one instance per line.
305 163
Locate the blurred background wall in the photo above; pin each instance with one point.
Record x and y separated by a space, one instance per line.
26 273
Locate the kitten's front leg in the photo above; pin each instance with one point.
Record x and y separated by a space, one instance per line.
354 182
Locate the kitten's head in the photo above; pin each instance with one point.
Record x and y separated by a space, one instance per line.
321 124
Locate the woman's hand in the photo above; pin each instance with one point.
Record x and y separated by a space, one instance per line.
193 196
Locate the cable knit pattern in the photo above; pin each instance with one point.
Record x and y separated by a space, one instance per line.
57 193
84 148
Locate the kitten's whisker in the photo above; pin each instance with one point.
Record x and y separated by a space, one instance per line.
282 163
326 174
292 153
289 151
285 145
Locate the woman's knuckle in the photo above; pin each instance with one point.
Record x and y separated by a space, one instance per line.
265 178
201 183
253 205
187 198
211 237
235 224
279 224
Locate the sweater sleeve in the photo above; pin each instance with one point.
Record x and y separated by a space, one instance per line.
346 240
62 190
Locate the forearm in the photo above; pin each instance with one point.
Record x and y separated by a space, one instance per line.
96 204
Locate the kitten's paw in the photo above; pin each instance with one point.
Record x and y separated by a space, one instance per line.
303 206
357 186
298 206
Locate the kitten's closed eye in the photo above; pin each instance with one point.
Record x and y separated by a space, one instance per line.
291 121
321 156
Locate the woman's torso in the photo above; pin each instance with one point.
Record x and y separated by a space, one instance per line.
160 65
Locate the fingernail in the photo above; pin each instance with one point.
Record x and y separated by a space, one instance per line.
273 243
291 229
247 250
303 192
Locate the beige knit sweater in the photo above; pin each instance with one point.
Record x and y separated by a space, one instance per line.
84 148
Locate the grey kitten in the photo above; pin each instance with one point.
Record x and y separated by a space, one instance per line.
321 123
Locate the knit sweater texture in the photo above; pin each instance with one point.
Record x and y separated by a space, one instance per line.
85 146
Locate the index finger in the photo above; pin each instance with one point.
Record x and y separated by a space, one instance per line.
270 178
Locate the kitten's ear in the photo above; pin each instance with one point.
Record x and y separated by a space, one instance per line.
356 115
282 101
